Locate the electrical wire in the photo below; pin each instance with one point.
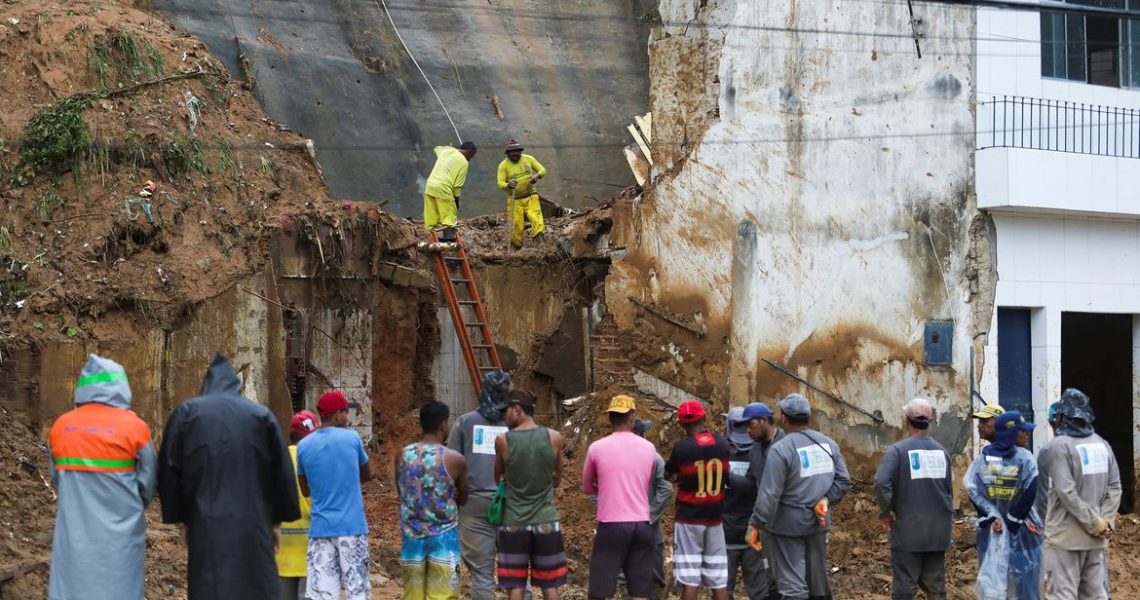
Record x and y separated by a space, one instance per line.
384 4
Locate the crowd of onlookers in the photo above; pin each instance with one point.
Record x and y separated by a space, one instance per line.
265 519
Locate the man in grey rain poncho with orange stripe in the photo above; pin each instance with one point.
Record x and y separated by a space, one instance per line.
105 467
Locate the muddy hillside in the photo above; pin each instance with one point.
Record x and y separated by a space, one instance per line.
136 177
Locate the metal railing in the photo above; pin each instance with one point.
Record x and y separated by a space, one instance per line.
1043 124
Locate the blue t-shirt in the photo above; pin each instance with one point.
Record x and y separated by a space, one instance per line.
330 458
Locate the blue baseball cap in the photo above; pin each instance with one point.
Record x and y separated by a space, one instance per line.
756 410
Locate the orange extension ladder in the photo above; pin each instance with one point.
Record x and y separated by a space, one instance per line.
466 308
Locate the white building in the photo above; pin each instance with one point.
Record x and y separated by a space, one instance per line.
1058 168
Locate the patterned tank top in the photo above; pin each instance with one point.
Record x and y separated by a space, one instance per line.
427 492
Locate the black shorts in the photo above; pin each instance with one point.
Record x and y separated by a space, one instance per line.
628 547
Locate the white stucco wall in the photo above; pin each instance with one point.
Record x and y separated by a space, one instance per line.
1068 224
1054 264
1009 64
822 218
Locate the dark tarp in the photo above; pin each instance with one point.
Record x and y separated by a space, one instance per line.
225 472
569 77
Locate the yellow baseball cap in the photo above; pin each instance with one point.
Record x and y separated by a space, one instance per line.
989 411
621 404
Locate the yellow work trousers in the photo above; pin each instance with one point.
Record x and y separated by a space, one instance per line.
439 211
531 208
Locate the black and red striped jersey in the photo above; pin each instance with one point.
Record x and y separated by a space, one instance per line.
700 463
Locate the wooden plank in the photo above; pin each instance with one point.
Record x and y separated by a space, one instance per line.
21 569
645 124
637 164
641 144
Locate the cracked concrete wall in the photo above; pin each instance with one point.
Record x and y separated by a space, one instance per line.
812 205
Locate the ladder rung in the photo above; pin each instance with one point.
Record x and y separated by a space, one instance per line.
488 368
474 324
460 281
455 258
480 346
469 302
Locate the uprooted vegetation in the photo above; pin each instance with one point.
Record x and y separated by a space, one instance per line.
109 99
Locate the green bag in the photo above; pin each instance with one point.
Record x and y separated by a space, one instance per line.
498 505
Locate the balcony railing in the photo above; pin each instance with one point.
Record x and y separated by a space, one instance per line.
1042 124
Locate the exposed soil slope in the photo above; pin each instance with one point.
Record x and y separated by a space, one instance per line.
100 98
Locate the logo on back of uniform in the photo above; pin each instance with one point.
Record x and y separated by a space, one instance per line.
1094 458
705 438
814 460
927 464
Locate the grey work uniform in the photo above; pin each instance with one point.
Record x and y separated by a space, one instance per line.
474 437
1084 487
739 500
914 481
801 469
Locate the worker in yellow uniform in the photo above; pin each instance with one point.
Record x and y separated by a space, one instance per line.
292 554
518 173
441 197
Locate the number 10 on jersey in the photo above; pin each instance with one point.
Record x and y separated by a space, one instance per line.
710 477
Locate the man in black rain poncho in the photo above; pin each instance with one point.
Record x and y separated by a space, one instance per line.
226 476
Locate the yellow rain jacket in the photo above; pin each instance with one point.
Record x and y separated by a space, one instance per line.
449 174
521 172
295 535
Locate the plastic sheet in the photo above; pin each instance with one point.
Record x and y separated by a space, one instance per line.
993 577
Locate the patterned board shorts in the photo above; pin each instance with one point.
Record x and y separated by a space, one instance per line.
431 566
335 562
700 556
534 550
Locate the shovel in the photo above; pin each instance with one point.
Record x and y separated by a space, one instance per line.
510 218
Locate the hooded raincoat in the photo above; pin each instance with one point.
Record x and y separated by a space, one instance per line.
1002 484
104 466
225 472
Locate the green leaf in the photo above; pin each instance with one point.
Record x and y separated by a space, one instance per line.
38 325
72 331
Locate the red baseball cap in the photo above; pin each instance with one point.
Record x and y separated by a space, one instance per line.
690 412
304 423
332 402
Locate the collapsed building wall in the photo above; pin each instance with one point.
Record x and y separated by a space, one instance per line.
812 204
322 317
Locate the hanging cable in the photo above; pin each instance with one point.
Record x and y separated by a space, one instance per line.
384 4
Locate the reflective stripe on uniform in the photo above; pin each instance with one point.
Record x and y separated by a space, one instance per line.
98 464
100 378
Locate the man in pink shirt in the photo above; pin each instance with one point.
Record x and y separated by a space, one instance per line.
618 469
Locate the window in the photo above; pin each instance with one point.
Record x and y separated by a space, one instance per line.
1093 49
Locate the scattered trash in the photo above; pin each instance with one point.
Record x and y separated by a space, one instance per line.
193 106
146 208
13 21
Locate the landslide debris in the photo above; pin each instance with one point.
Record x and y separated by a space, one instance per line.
100 98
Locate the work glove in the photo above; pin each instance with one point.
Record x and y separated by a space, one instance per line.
512 185
821 511
1099 527
534 180
1013 523
752 538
